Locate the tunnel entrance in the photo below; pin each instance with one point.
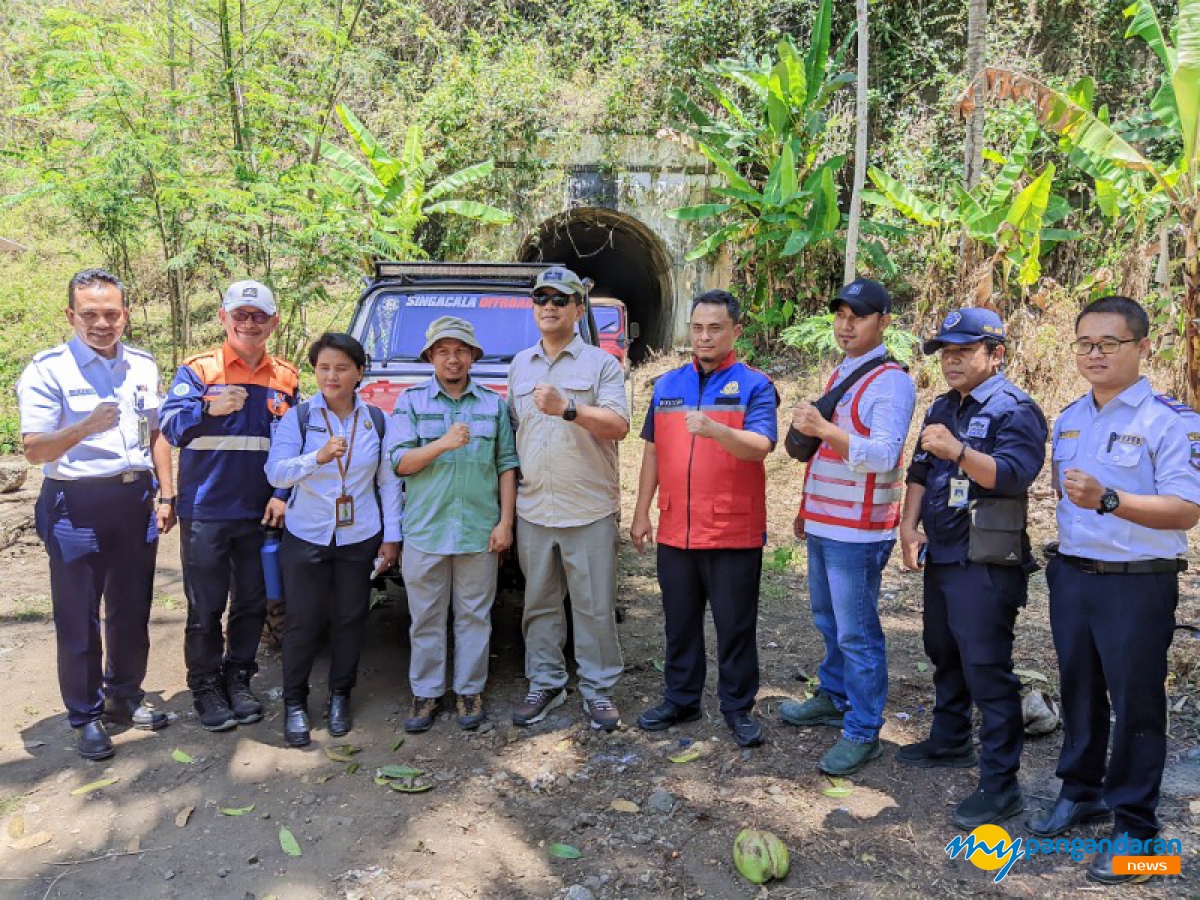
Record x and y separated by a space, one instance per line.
623 257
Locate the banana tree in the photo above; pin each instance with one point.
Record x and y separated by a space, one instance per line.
777 194
396 190
1108 151
1018 227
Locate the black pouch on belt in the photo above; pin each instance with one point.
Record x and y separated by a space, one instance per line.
997 530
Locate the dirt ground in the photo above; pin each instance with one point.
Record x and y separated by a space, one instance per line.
502 797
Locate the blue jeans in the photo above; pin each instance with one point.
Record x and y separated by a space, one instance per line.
843 583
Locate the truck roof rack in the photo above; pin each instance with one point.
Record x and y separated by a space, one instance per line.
523 274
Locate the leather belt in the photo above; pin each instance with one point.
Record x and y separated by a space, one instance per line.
1135 567
128 477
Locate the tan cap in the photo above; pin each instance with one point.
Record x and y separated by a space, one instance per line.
450 327
561 279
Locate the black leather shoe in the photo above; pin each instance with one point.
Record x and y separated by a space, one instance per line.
295 725
93 741
340 718
141 716
931 754
746 730
1066 814
1101 869
665 715
988 808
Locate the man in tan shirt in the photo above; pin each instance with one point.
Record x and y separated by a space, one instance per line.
567 402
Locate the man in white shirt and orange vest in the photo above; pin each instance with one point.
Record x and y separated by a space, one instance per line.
849 513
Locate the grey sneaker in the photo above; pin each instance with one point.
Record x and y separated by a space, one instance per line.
536 704
819 710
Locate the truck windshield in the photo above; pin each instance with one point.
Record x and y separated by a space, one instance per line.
396 324
608 319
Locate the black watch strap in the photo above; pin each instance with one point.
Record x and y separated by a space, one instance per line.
168 501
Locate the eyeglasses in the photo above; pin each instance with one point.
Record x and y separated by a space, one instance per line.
244 315
1107 346
559 300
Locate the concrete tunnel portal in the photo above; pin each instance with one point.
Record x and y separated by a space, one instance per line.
625 259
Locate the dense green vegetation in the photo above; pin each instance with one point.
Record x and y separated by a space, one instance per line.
186 142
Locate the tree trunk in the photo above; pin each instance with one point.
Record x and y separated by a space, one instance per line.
1191 311
861 124
977 14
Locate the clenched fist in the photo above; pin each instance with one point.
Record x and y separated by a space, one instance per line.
549 400
701 424
228 401
1082 489
102 418
459 435
938 440
807 420
335 448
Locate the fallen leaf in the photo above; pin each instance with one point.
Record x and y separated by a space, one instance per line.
409 787
1030 675
922 667
686 756
837 789
625 806
397 772
33 840
181 817
134 845
396 746
16 826
94 786
352 768
659 665
381 781
342 753
288 842
180 757
236 811
321 779
565 851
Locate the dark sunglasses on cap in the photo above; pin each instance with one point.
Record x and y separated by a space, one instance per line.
559 300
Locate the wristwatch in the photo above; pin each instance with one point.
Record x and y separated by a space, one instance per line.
168 501
1109 501
570 412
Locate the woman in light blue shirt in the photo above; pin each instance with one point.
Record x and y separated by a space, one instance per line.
345 501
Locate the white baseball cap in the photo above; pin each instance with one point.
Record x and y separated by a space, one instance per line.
249 293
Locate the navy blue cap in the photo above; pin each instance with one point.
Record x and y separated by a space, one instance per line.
864 297
966 326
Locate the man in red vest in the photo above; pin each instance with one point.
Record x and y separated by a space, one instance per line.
710 425
849 513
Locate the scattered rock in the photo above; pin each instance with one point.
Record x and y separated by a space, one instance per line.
168 874
640 837
223 872
12 476
578 892
661 801
586 820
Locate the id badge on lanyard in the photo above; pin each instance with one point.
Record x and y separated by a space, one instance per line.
343 506
139 409
960 489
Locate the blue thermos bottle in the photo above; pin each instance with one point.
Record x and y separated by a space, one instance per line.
272 537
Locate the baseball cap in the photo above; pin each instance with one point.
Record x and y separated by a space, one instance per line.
561 279
966 326
864 296
249 293
450 327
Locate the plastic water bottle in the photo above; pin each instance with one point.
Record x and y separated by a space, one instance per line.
272 572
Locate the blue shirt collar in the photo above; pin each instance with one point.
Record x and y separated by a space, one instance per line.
85 355
982 392
573 349
318 402
855 361
1134 395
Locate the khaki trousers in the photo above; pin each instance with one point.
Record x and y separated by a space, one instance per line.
583 561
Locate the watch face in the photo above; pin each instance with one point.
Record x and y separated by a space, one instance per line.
1109 501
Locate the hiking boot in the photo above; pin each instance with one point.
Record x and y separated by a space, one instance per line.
848 757
212 706
745 728
424 711
931 754
602 712
666 714
536 704
470 711
142 716
818 710
246 707
988 808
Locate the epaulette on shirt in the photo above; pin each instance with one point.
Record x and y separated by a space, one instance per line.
138 351
286 364
1177 406
196 357
1072 403
49 354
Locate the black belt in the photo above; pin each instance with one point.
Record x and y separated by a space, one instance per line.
1136 567
128 477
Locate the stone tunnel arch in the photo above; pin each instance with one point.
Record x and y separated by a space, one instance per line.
626 260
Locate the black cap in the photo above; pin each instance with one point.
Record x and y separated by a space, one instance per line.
864 297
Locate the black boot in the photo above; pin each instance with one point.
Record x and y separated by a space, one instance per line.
340 718
295 725
246 707
93 741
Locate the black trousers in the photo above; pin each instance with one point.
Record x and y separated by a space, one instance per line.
727 580
969 615
222 566
324 587
1112 633
102 540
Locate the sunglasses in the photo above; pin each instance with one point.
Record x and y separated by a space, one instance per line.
244 315
559 300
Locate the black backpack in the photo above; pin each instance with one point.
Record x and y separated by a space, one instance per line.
802 446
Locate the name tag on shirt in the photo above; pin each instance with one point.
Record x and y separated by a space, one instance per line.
959 493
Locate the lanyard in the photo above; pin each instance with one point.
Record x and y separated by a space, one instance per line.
343 463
